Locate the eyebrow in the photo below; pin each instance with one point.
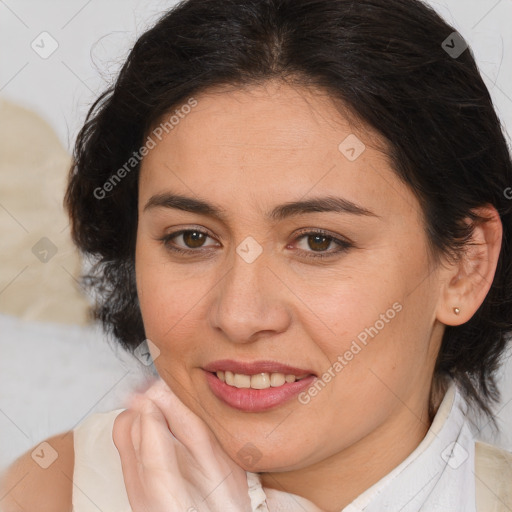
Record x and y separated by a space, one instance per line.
280 212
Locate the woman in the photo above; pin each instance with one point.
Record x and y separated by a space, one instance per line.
300 208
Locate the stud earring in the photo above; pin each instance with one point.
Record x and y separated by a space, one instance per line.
456 311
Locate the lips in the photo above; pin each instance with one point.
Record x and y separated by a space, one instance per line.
252 368
256 400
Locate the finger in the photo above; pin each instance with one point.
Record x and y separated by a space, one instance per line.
163 461
157 449
135 434
149 470
158 459
186 426
121 435
136 402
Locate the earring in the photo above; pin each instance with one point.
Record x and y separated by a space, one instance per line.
456 311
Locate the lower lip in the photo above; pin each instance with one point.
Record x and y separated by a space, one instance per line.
256 400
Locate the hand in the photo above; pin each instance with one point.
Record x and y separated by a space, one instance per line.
171 460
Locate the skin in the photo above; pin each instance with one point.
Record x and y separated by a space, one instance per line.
248 151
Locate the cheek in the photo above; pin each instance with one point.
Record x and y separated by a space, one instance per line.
340 305
172 300
372 321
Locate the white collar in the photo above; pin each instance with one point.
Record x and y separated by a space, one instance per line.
437 476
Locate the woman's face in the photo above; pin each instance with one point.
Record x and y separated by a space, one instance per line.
360 315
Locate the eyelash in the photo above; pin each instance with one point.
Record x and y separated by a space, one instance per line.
343 245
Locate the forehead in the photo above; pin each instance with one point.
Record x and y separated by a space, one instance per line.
274 118
266 141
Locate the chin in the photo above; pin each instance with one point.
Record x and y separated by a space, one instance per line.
271 459
271 466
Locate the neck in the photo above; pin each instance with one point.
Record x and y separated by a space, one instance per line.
334 483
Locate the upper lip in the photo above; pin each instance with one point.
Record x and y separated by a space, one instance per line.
254 367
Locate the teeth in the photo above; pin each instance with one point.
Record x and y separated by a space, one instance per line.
242 381
258 381
277 379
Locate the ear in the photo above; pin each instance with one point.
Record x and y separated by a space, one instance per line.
468 281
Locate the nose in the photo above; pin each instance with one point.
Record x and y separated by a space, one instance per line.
250 301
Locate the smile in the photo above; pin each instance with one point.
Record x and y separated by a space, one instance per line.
257 381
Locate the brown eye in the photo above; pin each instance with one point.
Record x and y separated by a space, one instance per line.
319 242
194 239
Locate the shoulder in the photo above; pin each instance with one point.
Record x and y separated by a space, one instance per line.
491 457
98 474
41 479
493 471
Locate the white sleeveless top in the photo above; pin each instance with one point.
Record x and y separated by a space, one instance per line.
438 476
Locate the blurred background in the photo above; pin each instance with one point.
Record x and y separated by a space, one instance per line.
57 56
